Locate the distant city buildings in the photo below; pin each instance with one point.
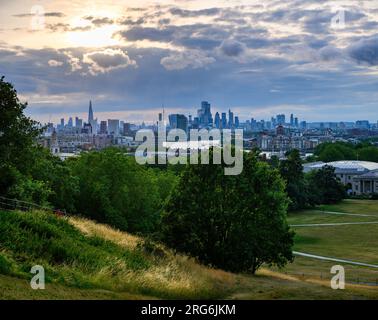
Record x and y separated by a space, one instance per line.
273 136
178 121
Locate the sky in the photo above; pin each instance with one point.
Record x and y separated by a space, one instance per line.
316 59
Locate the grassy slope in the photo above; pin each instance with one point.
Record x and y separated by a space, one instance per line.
85 260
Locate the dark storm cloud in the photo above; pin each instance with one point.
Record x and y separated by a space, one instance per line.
204 36
232 48
365 51
148 33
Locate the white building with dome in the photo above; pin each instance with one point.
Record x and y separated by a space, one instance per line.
348 172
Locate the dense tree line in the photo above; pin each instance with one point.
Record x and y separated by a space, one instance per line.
314 188
337 151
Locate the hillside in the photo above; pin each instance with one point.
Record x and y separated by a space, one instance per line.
86 260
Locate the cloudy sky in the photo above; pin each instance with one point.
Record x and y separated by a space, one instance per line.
131 57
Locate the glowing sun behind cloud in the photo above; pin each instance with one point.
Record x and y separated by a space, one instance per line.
99 37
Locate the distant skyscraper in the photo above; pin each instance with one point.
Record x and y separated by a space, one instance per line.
292 120
237 122
78 122
103 127
296 122
230 119
62 122
113 126
70 123
204 114
178 121
217 121
126 129
362 124
273 121
281 119
224 120
90 113
91 120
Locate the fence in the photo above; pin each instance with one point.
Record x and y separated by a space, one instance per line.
15 204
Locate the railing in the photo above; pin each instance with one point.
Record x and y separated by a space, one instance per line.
15 204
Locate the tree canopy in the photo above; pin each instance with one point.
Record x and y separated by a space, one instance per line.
233 222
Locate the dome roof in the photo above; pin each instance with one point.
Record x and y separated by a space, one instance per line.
348 166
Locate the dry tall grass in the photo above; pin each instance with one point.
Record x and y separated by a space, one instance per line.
174 275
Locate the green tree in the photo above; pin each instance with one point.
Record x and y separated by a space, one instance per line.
114 189
291 170
17 145
368 153
336 151
233 222
326 188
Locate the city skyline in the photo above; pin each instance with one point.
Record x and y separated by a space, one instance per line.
132 57
162 115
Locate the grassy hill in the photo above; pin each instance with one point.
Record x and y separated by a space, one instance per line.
86 260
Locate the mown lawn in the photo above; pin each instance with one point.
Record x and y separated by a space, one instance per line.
351 242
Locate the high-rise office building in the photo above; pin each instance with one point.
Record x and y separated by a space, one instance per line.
91 120
113 127
178 121
62 122
230 119
204 114
281 119
70 122
224 120
127 129
362 124
292 120
296 122
78 123
90 112
103 127
237 122
217 121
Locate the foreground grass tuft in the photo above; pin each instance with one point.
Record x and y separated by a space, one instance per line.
83 254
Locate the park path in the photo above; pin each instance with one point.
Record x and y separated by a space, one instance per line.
333 224
348 214
313 256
